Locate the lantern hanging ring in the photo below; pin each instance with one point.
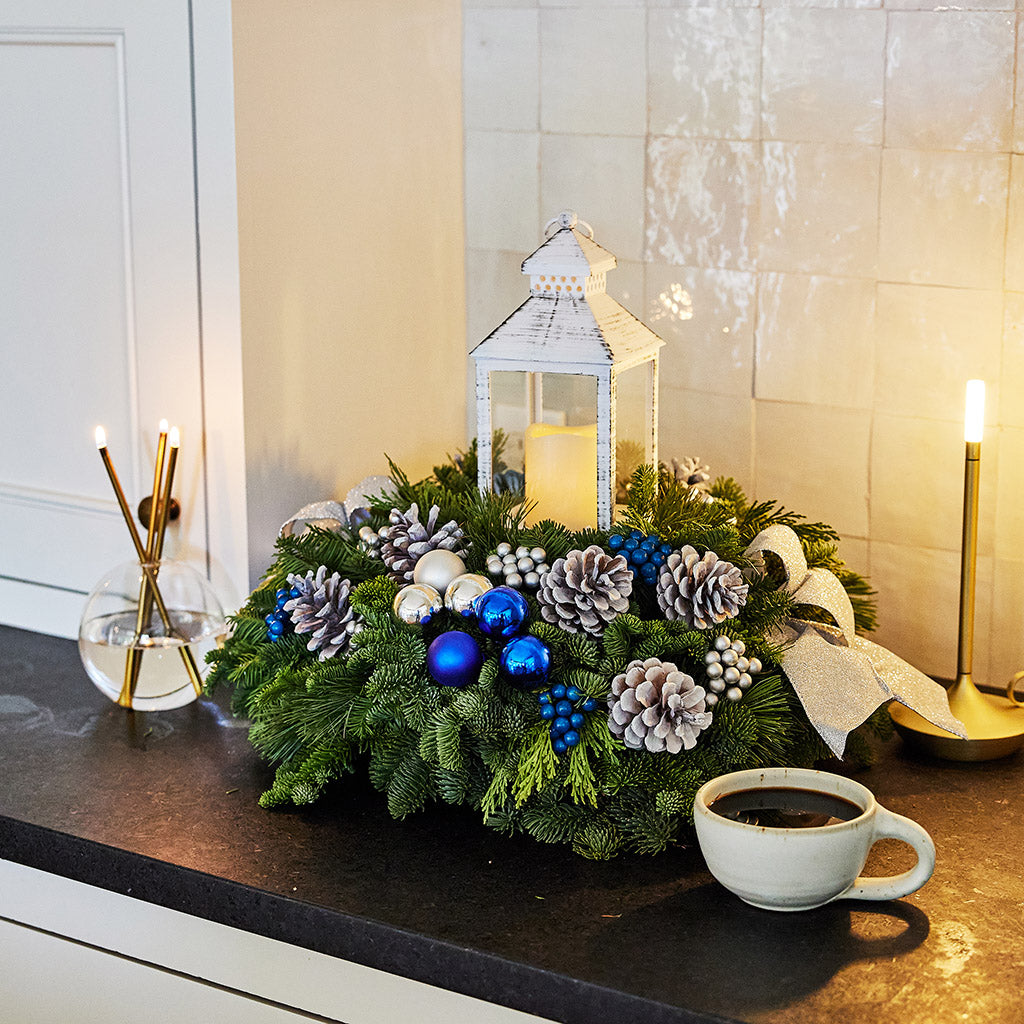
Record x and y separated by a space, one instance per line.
568 219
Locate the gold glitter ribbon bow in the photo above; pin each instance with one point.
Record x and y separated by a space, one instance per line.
840 677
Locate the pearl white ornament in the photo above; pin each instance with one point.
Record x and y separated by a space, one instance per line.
734 693
463 591
509 558
504 548
730 657
416 603
739 646
510 569
538 554
716 685
744 681
543 568
722 643
711 699
731 675
743 664
532 579
522 551
438 568
711 658
714 670
513 579
755 666
494 566
525 564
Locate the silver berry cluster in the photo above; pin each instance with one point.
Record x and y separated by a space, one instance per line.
729 670
369 541
519 567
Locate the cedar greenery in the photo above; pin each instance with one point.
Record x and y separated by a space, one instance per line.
486 745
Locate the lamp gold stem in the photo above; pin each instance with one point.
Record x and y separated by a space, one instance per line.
968 561
994 726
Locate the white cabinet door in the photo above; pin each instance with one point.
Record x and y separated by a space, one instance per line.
101 294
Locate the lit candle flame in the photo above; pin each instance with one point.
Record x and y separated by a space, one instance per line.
163 426
174 440
974 411
101 438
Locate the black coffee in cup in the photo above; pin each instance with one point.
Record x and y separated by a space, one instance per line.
783 807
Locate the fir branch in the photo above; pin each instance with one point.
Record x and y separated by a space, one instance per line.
536 767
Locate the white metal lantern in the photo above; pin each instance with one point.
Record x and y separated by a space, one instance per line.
569 325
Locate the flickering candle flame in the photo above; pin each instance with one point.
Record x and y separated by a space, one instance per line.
974 414
162 426
101 438
174 438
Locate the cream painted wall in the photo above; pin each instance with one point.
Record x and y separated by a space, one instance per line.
349 153
819 204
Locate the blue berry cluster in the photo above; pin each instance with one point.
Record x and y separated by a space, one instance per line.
645 555
563 706
279 621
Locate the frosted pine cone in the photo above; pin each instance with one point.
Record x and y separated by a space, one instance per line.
691 471
407 539
584 591
702 591
654 706
323 609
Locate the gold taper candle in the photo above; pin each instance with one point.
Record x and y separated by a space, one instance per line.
144 607
140 551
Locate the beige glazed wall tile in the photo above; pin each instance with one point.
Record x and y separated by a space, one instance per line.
705 318
943 217
702 201
602 179
714 428
1011 403
918 606
1014 279
931 341
704 64
500 69
1018 99
855 552
1005 640
501 194
815 339
819 208
592 77
917 484
814 459
495 287
823 75
1009 544
950 80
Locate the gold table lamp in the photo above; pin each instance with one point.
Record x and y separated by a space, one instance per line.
994 724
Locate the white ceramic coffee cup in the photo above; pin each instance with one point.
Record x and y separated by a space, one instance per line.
803 868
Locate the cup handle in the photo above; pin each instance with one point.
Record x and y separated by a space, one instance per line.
895 826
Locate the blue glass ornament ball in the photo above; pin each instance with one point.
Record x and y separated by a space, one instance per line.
525 661
501 612
454 659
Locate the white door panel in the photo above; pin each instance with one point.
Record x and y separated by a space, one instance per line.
100 289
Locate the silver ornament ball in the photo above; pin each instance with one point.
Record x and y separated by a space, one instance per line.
416 603
463 591
438 568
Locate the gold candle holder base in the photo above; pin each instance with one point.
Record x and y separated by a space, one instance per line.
994 725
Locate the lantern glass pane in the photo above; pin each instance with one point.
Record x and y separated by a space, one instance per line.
632 424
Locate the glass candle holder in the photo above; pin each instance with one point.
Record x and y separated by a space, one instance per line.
166 639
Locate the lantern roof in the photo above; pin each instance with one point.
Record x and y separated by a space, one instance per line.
569 320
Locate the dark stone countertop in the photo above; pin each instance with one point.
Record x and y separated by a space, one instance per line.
163 806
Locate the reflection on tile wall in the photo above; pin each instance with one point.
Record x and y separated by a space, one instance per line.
832 187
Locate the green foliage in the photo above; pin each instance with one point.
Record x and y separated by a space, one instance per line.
486 745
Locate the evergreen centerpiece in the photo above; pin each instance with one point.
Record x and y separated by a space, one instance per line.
588 711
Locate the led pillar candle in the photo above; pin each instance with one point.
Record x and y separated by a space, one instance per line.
561 474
